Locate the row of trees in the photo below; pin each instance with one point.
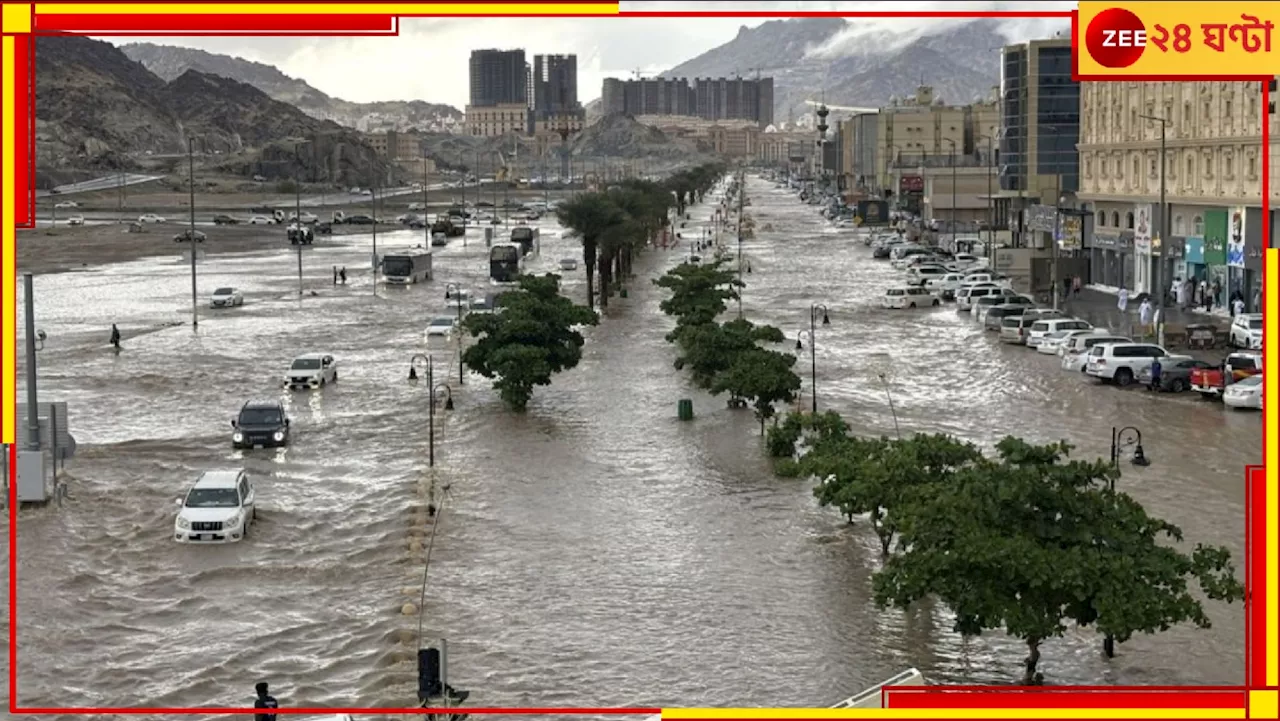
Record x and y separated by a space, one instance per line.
725 357
615 223
1028 540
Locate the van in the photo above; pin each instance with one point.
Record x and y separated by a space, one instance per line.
907 296
997 314
966 297
1019 334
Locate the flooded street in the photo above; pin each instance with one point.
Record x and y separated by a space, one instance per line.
594 551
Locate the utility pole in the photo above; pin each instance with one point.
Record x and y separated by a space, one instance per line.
953 193
742 192
426 217
191 240
1164 231
373 201
33 409
1055 281
297 215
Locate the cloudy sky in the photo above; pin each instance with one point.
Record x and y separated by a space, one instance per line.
428 61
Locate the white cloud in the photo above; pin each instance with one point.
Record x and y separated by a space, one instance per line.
428 61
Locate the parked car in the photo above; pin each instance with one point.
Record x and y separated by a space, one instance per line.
442 326
221 219
312 370
1120 363
150 218
75 220
260 423
1055 343
417 206
66 204
1002 296
262 220
1246 331
306 217
996 315
568 264
907 297
359 220
1042 328
1075 355
1210 382
1175 373
919 274
967 296
188 235
219 508
1245 394
226 298
944 285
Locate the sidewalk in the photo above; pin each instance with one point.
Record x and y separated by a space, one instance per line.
1098 306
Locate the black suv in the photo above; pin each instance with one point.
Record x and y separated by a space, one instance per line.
260 423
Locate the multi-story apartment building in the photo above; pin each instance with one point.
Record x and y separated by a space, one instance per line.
709 99
393 145
500 87
1210 227
555 85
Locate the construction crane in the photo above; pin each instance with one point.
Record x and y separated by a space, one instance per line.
842 108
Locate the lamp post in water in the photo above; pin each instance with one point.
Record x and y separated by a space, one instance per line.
815 311
423 360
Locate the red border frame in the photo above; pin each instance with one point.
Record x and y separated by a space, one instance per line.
932 697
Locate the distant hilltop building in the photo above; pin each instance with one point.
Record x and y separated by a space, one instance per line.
509 96
707 98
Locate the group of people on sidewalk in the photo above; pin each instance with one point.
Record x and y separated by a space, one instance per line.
1189 295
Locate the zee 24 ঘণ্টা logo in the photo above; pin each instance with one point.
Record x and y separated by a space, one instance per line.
1117 38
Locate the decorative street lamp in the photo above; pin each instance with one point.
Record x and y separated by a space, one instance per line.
815 311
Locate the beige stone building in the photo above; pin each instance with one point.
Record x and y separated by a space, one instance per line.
395 146
922 126
497 120
741 142
1212 178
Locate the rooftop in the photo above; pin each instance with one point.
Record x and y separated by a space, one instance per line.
217 479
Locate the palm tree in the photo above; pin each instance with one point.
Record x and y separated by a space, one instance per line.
593 216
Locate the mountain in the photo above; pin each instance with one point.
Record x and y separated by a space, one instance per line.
96 108
620 136
169 62
848 64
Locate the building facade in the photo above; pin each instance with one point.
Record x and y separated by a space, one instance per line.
1039 118
494 120
1210 226
394 145
499 77
710 99
555 85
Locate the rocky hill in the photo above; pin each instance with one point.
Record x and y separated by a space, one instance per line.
859 66
169 62
620 136
96 108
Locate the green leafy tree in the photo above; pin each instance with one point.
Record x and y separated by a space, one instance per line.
878 476
1031 541
763 378
711 348
699 293
529 339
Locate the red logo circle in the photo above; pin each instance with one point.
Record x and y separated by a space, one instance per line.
1115 38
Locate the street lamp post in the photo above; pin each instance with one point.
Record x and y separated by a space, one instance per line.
454 291
373 202
953 192
420 359
426 213
191 232
297 213
991 214
815 311
1157 281
1121 439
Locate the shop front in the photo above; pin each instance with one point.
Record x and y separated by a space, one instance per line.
1170 255
1111 258
1247 277
1215 254
1193 255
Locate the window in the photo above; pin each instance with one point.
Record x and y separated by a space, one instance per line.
1137 171
1186 116
1208 164
1128 220
1115 219
1191 167
1102 219
1088 167
1228 166
1253 109
1133 118
1178 225
1197 226
1253 167
1207 110
1227 111
1153 167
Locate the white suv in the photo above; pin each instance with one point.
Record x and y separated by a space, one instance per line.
218 509
1075 354
1246 331
312 370
1120 363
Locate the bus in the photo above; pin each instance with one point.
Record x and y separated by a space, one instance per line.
406 268
527 238
506 263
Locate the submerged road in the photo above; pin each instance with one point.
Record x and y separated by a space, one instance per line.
594 551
